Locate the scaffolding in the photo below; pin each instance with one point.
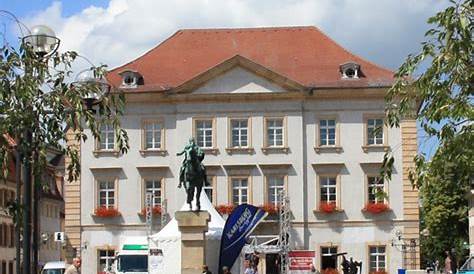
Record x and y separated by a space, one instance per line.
284 236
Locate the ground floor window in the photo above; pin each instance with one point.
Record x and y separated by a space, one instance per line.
105 260
328 261
377 259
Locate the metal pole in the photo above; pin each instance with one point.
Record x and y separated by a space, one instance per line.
27 206
18 198
36 228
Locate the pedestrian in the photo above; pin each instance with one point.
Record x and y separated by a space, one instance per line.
205 270
448 263
225 270
75 268
248 268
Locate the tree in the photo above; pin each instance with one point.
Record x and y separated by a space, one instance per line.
443 98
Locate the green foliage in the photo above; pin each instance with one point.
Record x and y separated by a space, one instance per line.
443 98
35 95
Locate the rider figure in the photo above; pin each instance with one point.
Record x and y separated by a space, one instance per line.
187 157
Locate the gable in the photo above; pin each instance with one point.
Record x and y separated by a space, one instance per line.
238 80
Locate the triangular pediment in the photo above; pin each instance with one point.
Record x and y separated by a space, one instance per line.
239 75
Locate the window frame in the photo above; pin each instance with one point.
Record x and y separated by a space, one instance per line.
97 143
366 147
143 146
143 196
116 190
337 142
386 254
230 148
231 188
98 257
385 188
212 181
284 147
267 185
338 189
213 149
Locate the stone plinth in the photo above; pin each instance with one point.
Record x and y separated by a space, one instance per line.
193 226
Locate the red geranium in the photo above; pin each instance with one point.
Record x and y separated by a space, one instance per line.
270 208
103 211
376 208
327 207
378 272
225 209
156 210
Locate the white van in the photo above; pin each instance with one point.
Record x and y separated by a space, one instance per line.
132 256
54 268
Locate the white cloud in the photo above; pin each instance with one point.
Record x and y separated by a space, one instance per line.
382 31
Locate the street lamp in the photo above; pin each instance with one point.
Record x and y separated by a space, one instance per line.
100 87
43 40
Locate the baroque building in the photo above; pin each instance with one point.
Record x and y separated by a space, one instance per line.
274 109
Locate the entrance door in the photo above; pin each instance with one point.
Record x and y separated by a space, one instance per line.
327 260
272 263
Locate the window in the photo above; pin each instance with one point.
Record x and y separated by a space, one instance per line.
375 186
209 190
107 137
275 185
328 186
350 70
327 258
154 187
375 132
204 135
2 199
10 267
106 258
377 258
1 235
12 235
239 131
240 189
106 193
275 132
4 267
152 131
327 132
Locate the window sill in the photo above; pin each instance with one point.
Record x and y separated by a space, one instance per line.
268 150
372 148
159 152
240 150
336 211
142 215
323 149
105 217
98 153
213 151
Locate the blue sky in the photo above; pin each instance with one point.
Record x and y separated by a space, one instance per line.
116 31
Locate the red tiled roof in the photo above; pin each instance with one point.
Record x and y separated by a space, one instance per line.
302 54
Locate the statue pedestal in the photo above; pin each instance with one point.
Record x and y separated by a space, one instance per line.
193 226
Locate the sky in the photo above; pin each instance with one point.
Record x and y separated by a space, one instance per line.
114 32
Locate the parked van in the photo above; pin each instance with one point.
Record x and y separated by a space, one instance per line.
54 268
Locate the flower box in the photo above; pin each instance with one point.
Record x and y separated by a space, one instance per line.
327 207
376 208
270 208
225 209
378 272
156 210
106 212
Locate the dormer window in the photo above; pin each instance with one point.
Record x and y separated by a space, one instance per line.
130 79
350 70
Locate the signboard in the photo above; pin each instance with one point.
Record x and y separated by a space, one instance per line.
148 210
301 261
59 236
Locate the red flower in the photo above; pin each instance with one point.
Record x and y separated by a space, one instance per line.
376 208
103 211
378 272
270 208
225 209
327 207
156 210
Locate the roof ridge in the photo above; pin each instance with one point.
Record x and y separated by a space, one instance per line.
246 28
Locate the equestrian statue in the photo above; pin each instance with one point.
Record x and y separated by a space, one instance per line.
192 172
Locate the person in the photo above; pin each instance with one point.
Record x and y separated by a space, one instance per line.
448 263
205 270
254 259
225 270
75 268
248 268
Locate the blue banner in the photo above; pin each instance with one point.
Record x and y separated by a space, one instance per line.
241 222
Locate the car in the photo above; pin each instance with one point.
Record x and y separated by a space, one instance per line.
54 267
467 267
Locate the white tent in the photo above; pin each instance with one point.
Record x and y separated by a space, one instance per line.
169 239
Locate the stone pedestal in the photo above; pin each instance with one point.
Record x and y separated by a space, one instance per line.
193 226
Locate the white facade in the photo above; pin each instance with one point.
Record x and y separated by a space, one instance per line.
352 230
